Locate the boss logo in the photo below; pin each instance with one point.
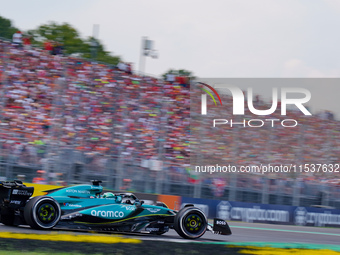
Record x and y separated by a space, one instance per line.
220 222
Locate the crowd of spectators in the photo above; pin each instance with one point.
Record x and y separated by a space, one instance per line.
315 140
91 107
53 101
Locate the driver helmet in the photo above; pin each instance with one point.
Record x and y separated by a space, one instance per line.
108 195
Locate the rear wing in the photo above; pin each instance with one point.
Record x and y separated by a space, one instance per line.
14 194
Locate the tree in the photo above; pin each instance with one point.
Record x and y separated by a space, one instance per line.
63 33
97 51
69 37
180 72
6 28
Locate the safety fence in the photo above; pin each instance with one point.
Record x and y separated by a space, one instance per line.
67 166
266 213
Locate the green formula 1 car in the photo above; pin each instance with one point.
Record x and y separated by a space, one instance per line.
85 207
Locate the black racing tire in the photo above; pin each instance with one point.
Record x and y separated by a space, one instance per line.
42 212
190 223
7 219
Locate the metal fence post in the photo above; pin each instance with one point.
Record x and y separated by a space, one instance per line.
265 191
159 181
325 195
232 191
118 174
296 193
198 190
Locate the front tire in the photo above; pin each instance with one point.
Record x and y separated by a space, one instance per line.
190 222
42 212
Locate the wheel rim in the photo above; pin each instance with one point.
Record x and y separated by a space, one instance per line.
46 213
194 224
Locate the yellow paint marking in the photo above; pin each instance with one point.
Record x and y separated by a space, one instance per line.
280 251
70 238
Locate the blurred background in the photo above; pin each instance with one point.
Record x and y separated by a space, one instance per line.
73 111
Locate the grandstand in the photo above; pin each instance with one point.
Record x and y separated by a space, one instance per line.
53 101
88 120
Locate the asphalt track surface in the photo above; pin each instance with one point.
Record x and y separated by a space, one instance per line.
242 232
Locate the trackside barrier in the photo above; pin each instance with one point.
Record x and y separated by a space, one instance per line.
265 213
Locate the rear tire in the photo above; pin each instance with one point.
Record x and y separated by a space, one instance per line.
190 222
42 212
